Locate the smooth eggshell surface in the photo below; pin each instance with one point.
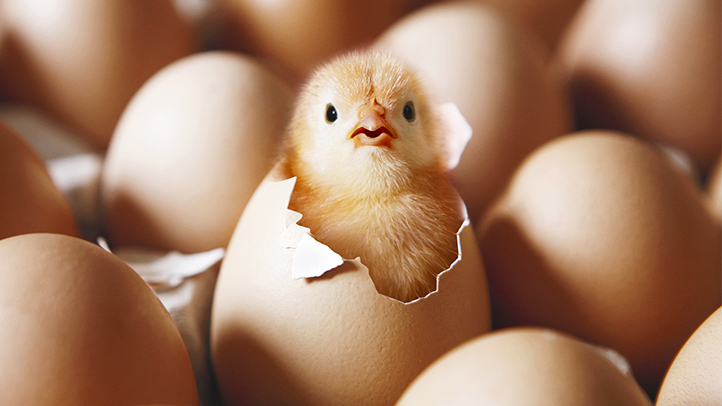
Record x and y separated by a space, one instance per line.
29 200
650 68
189 151
545 18
301 34
524 366
82 60
499 78
80 327
714 187
695 377
600 236
331 340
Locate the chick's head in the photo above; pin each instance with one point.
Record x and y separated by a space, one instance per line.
364 116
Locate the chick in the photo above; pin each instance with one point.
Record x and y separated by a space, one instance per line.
371 179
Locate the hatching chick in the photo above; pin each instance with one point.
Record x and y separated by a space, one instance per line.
371 180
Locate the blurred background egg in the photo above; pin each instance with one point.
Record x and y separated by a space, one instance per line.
80 327
650 68
82 60
599 235
190 150
333 339
596 234
301 34
29 200
695 377
714 187
526 366
499 78
546 19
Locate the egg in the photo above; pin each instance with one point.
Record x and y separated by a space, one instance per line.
82 60
499 78
714 187
331 339
29 200
695 376
80 327
650 68
190 150
300 34
3 39
526 366
599 235
545 18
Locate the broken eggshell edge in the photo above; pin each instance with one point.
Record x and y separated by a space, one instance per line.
312 258
323 334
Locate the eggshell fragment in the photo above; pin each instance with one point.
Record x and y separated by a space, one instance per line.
81 328
331 340
651 68
600 236
190 150
82 60
695 377
29 201
499 78
524 366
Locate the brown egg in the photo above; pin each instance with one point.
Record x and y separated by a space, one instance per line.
80 327
3 39
332 339
526 366
651 68
546 18
714 187
190 150
497 76
695 377
300 34
599 235
29 200
82 60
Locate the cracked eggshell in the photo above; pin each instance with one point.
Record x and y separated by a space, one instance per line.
526 366
80 327
333 339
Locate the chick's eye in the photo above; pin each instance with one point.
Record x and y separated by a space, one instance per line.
331 114
409 113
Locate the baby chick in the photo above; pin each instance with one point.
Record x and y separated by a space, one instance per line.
371 179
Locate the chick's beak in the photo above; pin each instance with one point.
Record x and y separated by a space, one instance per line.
372 129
